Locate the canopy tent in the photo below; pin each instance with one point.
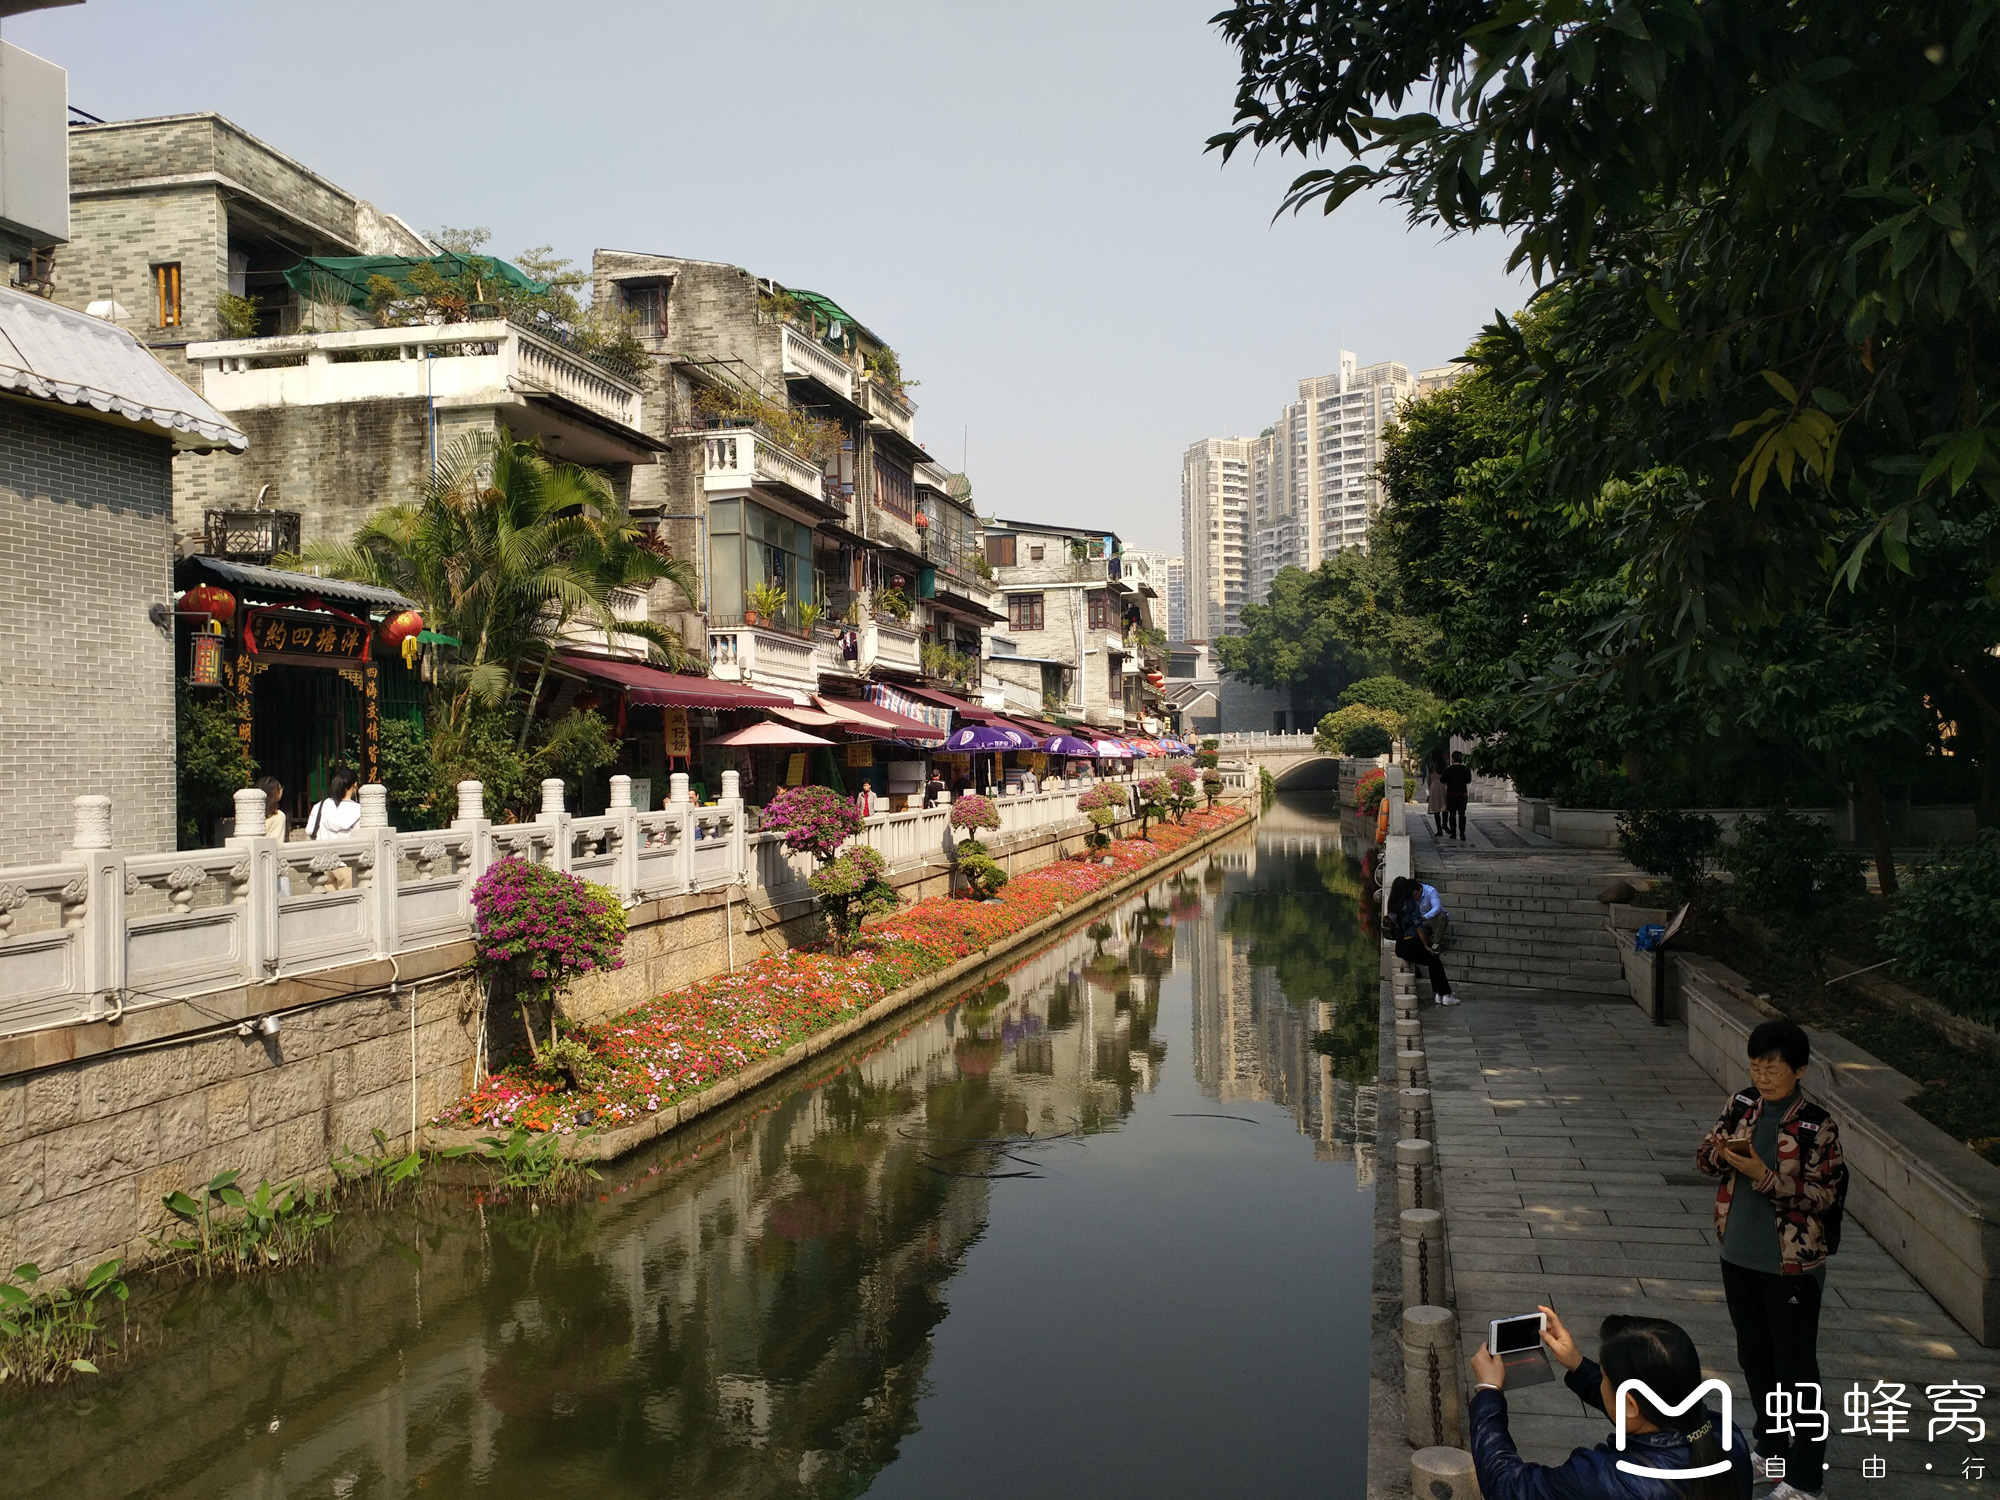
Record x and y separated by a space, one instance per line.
313 277
650 687
774 736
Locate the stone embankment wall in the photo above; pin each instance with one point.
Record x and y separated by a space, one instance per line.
101 1120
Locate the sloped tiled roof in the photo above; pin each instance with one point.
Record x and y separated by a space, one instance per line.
55 353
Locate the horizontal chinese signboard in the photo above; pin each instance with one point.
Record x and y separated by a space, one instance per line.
300 633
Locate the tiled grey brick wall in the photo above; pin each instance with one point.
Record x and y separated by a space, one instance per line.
86 681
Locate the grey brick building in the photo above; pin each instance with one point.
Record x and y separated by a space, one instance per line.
89 425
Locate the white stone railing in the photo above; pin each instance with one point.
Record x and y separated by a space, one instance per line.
97 932
804 355
444 361
1298 742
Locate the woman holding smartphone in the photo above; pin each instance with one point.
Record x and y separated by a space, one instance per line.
1680 1453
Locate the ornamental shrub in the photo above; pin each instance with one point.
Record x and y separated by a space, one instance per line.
814 820
1677 845
1181 782
1101 804
1156 795
1369 792
851 889
984 877
1944 927
972 811
1791 871
1335 730
1211 787
536 929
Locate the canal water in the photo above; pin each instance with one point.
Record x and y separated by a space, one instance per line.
1103 1226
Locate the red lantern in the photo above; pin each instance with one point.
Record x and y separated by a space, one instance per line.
400 627
923 521
206 599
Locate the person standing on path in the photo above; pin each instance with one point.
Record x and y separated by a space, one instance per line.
1457 778
1434 797
1777 1214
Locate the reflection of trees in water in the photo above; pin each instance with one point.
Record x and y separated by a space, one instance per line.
1305 922
753 1320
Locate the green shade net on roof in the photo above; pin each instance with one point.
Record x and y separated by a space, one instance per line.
312 277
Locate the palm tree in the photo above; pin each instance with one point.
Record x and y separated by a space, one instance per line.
506 546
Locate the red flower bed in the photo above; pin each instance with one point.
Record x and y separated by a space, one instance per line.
670 1048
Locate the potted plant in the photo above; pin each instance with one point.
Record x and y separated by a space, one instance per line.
809 617
892 603
764 602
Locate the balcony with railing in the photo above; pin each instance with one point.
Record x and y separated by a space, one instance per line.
802 354
892 646
775 659
735 459
456 363
892 411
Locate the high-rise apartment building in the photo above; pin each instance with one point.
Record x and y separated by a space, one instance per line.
1443 375
1177 614
1215 534
1325 447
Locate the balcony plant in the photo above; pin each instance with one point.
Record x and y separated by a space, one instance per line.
764 603
809 617
892 604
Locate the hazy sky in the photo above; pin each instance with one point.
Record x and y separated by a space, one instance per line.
1014 195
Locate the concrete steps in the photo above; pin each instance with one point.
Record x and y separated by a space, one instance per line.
1530 931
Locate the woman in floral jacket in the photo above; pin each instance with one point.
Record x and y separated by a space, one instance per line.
1777 1215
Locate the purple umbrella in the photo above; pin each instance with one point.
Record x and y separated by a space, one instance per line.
1063 744
983 739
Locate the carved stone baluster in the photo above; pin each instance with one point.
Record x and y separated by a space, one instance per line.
75 900
182 882
12 899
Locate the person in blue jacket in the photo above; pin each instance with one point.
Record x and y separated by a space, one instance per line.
1686 1443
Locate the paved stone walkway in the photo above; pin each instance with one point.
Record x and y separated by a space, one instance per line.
1566 1133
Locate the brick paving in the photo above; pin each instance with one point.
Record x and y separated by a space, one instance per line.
1566 1131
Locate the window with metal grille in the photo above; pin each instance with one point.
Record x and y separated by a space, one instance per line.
167 294
646 304
1024 611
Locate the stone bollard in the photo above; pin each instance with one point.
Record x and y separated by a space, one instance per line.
374 805
250 813
91 825
1409 1033
677 788
732 785
471 802
1443 1474
1416 1174
1413 1070
1413 1115
621 793
1433 1392
1423 1258
552 797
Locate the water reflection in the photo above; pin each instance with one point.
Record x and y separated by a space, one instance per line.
1002 1252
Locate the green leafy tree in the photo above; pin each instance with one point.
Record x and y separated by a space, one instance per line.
1791 871
1322 630
1769 234
209 763
1944 927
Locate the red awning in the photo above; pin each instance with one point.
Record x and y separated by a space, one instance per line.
882 723
649 686
1036 726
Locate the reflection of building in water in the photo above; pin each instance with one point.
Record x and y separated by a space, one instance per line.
1253 1041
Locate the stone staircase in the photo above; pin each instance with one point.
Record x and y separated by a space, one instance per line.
1517 929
